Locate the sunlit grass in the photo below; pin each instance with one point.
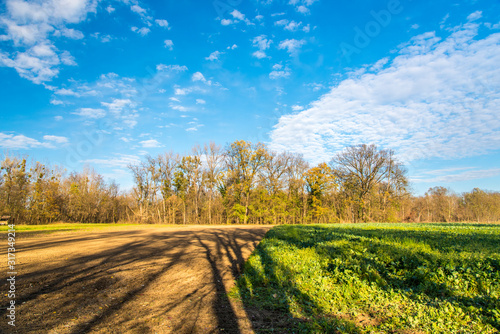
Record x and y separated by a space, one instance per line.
431 278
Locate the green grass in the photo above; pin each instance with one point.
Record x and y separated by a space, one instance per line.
376 278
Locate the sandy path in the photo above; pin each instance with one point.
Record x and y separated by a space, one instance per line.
161 280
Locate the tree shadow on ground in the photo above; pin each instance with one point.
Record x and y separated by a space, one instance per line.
169 281
415 284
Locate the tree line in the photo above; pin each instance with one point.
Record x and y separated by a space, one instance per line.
241 183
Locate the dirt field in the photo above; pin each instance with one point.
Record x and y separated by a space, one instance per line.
161 280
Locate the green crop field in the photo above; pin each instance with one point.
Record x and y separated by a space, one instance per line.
376 278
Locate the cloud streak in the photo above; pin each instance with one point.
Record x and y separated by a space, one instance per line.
437 98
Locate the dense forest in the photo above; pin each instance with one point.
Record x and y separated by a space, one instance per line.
241 183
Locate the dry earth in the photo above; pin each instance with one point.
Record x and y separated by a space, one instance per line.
160 280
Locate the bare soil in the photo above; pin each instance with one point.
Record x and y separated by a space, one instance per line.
139 280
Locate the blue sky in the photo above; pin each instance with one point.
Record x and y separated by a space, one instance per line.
103 83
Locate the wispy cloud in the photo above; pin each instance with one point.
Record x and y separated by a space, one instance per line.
151 143
118 160
451 175
262 43
90 112
162 23
214 56
56 139
141 31
437 98
11 141
279 71
169 44
291 45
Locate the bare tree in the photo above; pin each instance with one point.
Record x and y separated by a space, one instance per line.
362 168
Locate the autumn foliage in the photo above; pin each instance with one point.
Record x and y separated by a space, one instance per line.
242 183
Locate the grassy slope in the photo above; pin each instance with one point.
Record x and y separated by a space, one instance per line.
406 278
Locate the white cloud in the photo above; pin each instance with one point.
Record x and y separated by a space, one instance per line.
90 113
291 45
238 16
169 44
102 38
214 56
279 72
315 86
10 141
66 92
56 139
198 76
150 143
447 176
194 128
302 9
181 91
58 118
138 9
437 98
30 26
297 108
119 160
118 105
179 68
142 31
492 26
56 102
226 22
200 101
234 46
175 99
178 107
72 33
110 9
288 25
259 54
162 23
475 16
262 42
302 6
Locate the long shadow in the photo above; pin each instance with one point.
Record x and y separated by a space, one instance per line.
277 316
226 318
81 283
28 244
413 284
74 274
443 240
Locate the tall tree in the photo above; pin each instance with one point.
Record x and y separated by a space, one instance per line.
214 158
243 161
362 168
